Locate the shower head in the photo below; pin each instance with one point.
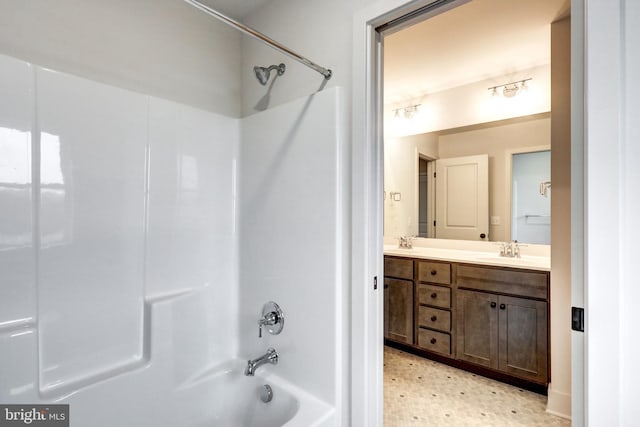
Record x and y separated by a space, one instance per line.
262 73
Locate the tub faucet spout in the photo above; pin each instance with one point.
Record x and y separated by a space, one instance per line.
271 356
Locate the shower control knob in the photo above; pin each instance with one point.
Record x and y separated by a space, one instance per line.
272 318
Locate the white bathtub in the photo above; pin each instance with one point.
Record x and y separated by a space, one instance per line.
231 399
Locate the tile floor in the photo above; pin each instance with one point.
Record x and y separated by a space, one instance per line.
420 392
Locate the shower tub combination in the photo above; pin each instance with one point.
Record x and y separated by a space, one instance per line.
154 384
173 385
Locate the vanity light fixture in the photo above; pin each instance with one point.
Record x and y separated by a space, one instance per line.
407 112
509 90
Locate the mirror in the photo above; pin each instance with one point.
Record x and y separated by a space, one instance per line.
451 94
410 187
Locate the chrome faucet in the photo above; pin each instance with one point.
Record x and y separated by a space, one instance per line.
271 356
405 242
272 318
510 249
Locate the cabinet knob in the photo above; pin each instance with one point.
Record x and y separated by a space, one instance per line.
433 341
434 318
502 306
434 295
493 304
386 286
433 272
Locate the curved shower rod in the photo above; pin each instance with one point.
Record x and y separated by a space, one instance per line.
327 73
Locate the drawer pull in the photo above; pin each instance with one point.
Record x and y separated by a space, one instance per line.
386 286
433 341
493 304
433 272
502 306
434 295
434 318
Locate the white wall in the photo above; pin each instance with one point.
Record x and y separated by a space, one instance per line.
320 31
612 198
631 178
133 229
165 48
291 249
401 175
472 104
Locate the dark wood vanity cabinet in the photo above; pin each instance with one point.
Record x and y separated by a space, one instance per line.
501 331
473 315
398 300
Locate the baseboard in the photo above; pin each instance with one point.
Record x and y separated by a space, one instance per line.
558 403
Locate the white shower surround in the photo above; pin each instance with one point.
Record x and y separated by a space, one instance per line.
119 253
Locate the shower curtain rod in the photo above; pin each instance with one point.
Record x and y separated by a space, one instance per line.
327 73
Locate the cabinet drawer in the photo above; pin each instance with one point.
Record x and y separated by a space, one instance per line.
434 318
434 272
521 283
437 296
398 267
434 341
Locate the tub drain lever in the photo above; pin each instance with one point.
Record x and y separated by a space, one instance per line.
272 319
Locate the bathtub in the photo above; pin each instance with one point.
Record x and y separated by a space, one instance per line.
232 399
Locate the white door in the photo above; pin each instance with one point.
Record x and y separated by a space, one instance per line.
462 198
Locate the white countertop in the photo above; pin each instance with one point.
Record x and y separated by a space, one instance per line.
526 261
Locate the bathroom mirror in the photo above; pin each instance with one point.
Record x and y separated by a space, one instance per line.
517 209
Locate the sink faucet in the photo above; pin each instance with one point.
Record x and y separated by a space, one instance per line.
510 249
405 242
271 356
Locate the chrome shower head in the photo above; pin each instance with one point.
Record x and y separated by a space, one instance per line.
262 73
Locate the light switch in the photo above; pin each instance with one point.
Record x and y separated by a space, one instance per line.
495 220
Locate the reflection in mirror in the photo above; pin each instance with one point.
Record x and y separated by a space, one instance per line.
413 216
531 197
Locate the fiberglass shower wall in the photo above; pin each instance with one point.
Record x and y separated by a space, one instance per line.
291 246
117 246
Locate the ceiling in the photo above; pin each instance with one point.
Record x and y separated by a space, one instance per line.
482 39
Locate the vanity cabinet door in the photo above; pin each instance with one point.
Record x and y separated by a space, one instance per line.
522 338
504 333
398 310
477 328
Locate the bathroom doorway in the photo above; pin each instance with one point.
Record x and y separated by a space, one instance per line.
424 215
415 114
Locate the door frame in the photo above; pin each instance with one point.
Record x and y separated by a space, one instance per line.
367 158
596 56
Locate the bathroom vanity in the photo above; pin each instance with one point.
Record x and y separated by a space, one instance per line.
470 309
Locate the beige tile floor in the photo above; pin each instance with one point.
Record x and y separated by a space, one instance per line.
420 392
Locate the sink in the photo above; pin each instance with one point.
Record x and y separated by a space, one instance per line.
530 261
470 256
